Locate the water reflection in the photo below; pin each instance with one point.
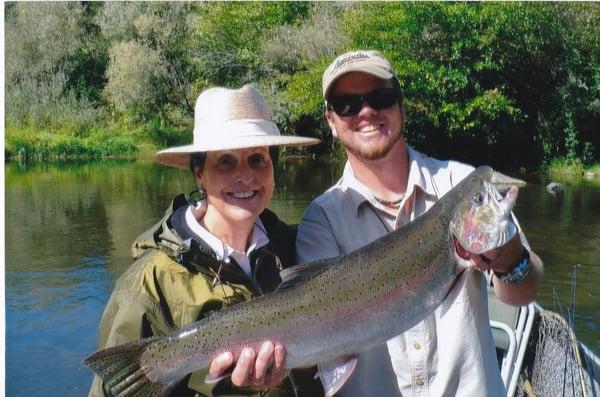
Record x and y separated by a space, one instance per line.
565 230
69 230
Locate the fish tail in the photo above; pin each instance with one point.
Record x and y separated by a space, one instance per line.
120 368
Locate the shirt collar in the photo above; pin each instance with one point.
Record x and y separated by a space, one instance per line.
258 236
418 174
358 193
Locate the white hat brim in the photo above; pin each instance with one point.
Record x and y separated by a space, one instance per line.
179 156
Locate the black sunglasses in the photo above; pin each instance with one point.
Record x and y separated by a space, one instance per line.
378 99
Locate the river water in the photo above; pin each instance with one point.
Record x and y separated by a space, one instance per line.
69 228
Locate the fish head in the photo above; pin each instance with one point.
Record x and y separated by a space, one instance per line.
481 214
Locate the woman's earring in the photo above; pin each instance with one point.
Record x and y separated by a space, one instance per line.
195 195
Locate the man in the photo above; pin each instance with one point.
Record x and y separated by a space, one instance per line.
386 184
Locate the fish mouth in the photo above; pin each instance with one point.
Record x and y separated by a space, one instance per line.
481 226
459 249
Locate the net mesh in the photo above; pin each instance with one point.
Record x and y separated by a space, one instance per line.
552 363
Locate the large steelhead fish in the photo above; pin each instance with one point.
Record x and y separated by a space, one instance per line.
327 312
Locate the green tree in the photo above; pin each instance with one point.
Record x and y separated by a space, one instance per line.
295 57
481 81
151 68
501 83
46 48
229 37
580 96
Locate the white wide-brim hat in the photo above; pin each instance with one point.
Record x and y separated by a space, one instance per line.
226 119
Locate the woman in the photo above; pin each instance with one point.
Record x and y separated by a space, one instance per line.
216 252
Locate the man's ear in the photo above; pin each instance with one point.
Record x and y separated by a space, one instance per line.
331 124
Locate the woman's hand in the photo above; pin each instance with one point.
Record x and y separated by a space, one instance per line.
263 371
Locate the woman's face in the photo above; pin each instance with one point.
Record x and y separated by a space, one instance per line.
238 183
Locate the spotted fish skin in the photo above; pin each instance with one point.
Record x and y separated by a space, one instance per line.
331 308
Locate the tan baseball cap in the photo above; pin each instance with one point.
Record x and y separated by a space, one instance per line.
367 61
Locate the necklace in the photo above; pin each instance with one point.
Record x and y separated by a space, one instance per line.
390 203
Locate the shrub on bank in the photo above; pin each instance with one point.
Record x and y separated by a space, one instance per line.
26 145
593 171
565 167
165 135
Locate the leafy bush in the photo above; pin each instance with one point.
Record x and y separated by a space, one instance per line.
290 48
45 51
563 166
133 75
151 66
483 82
165 135
229 36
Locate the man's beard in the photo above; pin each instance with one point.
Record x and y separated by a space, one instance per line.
376 153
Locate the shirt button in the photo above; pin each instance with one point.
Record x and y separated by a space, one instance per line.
419 382
417 345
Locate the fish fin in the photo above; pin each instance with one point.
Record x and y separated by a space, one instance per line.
120 369
294 275
335 373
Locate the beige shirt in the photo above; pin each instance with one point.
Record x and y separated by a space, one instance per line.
451 352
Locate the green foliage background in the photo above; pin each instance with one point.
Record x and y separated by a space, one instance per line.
508 84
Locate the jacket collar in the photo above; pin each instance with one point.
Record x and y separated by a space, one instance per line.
197 255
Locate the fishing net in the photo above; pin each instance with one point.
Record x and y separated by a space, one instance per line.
552 365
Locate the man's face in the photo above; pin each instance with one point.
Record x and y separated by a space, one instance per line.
370 134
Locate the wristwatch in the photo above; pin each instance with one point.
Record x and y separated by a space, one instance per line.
518 273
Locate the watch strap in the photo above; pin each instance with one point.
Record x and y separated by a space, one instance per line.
518 273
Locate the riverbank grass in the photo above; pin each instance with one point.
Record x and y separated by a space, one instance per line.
593 171
572 168
27 145
115 141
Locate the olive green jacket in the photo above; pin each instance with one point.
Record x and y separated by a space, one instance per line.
170 286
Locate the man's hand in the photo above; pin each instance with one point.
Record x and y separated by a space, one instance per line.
500 259
503 259
263 371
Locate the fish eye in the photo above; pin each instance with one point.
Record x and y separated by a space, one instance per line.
478 198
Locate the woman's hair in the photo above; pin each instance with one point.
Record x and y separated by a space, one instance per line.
197 159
